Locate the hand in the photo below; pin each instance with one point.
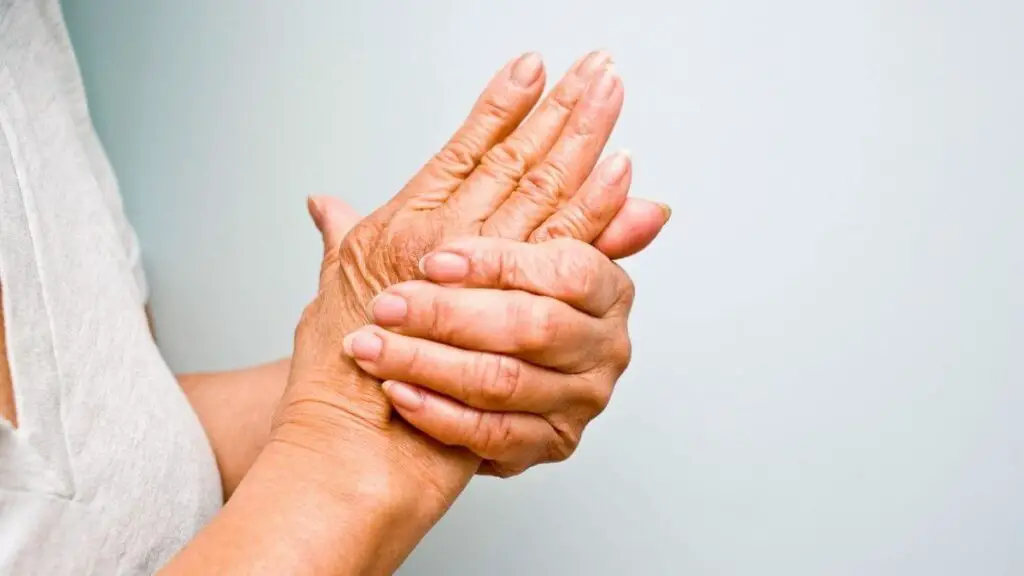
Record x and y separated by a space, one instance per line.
494 178
512 356
341 487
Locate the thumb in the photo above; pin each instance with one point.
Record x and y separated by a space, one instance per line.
333 218
633 228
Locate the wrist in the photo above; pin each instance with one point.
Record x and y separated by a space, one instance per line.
346 422
355 484
299 512
368 511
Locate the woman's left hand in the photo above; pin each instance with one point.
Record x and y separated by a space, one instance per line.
510 351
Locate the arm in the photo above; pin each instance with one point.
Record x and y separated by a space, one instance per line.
235 408
299 512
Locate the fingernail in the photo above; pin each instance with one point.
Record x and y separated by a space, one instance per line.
602 86
615 167
444 267
592 63
362 345
666 209
388 310
402 395
527 69
316 210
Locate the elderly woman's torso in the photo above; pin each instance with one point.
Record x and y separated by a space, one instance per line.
104 468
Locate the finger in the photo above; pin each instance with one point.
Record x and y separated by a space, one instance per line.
482 380
508 98
504 165
596 203
633 228
543 331
546 187
516 440
333 218
565 270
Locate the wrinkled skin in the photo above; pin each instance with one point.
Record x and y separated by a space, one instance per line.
496 177
510 350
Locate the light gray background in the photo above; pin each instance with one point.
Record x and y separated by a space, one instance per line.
828 371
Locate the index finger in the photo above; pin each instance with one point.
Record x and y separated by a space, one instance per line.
564 269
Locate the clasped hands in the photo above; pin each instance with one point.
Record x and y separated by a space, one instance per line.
481 304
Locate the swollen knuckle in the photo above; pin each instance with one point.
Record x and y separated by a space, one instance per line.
439 325
584 125
505 470
508 271
506 158
536 323
572 221
628 291
404 247
621 353
497 107
600 402
492 433
457 158
501 167
564 99
413 363
503 380
595 394
563 444
579 268
544 185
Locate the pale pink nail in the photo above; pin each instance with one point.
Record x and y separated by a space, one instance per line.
363 345
527 69
615 167
402 395
444 267
388 310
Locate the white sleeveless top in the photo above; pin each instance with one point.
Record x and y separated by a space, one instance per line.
109 471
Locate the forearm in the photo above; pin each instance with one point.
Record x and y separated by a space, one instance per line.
235 408
291 515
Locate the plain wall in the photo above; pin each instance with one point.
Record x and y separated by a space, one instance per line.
828 338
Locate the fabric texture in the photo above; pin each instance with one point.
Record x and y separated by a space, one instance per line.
108 471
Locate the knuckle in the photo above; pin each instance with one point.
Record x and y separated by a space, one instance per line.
572 221
412 364
502 380
545 185
457 158
505 470
595 396
497 106
564 98
628 290
585 124
403 247
564 442
578 266
491 434
508 272
621 353
440 324
506 161
535 323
